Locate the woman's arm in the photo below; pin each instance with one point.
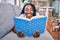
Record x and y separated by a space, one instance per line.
14 29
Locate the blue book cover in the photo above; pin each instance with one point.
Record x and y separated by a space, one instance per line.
29 26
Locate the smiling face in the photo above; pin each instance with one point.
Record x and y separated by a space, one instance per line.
28 11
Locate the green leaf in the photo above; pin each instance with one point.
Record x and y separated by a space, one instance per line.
23 1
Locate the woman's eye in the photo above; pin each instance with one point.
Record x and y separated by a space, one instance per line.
30 9
26 10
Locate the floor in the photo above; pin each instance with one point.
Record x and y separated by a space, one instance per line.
13 36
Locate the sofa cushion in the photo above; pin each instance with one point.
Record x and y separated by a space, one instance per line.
7 13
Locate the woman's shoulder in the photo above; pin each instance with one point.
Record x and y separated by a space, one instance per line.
37 14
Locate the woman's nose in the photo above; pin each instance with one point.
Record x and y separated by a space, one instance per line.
29 11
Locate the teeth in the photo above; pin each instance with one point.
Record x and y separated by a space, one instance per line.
28 14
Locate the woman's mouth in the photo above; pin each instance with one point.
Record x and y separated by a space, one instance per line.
28 14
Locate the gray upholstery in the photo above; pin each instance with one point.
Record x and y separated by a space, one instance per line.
13 36
7 12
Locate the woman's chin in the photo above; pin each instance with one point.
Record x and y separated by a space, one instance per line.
28 17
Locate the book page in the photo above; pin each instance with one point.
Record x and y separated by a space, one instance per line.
34 17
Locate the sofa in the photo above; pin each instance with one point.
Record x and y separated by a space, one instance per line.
7 13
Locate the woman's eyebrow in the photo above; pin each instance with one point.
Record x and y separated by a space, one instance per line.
28 9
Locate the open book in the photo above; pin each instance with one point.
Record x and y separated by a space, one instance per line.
29 26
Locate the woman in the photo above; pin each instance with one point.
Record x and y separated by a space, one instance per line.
28 11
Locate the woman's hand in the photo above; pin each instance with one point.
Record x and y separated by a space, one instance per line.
20 34
36 34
